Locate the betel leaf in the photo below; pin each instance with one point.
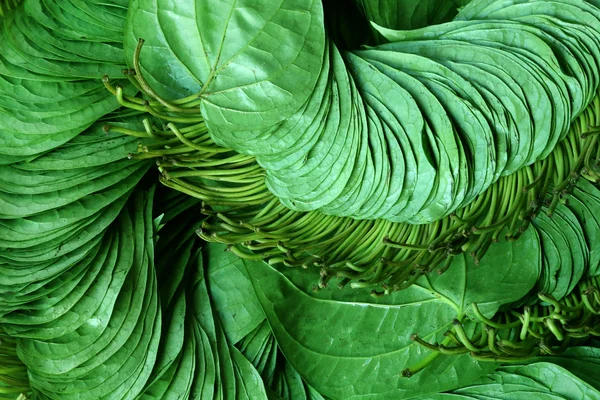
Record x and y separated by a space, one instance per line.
407 15
192 321
51 88
13 379
350 345
267 57
111 294
231 375
48 225
231 291
586 199
244 324
352 349
30 132
581 361
26 45
565 249
538 379
174 248
282 381
489 285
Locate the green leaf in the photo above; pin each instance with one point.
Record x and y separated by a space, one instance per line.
583 362
57 207
50 87
507 272
542 380
407 131
349 345
268 57
413 14
354 349
281 378
231 293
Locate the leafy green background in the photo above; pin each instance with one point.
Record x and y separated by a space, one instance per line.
106 291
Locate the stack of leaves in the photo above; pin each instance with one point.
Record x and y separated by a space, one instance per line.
444 156
64 183
406 131
63 179
526 127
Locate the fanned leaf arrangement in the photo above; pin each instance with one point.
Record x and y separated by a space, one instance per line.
370 199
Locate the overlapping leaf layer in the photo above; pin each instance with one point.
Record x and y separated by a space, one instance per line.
406 131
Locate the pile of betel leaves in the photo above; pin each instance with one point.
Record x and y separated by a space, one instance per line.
299 199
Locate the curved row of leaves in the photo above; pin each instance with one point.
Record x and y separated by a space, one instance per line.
66 241
407 131
63 179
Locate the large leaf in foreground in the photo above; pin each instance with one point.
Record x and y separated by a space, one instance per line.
232 294
573 375
245 325
350 345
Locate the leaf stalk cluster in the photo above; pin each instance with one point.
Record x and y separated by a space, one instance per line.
546 328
